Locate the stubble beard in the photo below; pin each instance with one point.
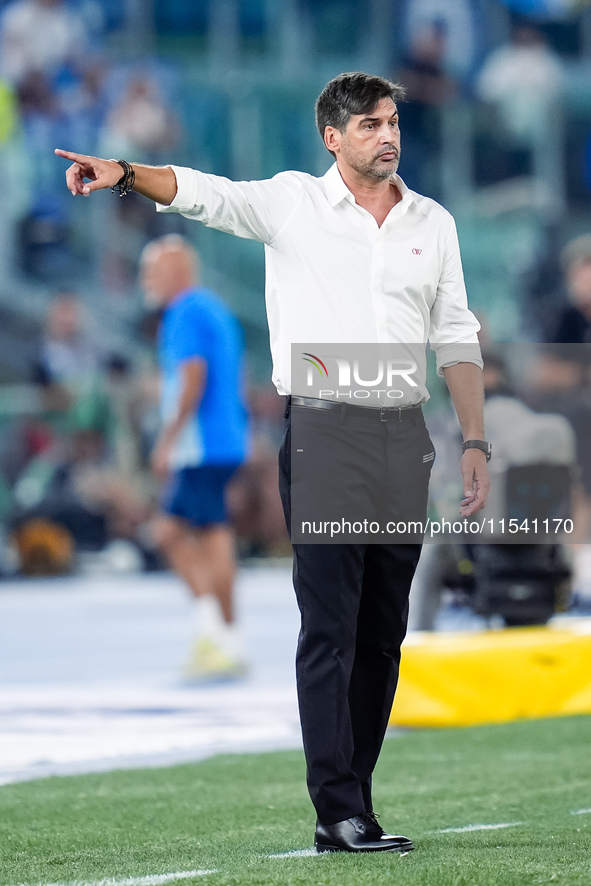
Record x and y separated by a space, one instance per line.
373 168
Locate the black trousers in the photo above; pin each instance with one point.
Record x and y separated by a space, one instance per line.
353 600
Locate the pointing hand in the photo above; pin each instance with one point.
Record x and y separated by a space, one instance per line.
102 173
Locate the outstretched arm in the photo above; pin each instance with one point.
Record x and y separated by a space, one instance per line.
158 183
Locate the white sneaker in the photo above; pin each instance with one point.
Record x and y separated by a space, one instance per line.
209 662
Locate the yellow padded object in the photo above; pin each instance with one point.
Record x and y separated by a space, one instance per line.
462 679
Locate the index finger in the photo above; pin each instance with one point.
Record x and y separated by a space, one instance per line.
68 155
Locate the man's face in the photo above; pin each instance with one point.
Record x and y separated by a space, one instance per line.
165 271
370 144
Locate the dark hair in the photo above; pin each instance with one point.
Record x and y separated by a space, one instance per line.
351 94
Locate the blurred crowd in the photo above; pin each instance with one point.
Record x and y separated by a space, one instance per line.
78 403
61 86
76 485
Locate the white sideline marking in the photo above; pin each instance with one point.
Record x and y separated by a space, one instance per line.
479 827
307 853
296 853
581 812
151 880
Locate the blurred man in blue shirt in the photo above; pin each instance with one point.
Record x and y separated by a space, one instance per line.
202 443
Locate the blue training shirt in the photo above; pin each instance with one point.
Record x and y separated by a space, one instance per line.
198 324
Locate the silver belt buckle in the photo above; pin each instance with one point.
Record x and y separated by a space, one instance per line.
384 412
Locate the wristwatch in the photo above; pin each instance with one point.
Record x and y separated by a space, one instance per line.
478 444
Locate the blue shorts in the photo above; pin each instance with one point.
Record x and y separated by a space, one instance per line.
197 494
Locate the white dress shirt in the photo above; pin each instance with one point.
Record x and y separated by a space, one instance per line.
332 274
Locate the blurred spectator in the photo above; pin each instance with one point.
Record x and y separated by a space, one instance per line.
44 54
39 37
574 321
78 483
68 369
518 131
523 81
141 124
74 487
67 355
36 97
461 22
80 100
428 88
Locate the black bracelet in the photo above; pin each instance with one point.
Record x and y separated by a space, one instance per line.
478 444
127 180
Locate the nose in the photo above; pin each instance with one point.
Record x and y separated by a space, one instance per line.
387 134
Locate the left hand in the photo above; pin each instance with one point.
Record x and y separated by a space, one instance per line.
161 458
476 481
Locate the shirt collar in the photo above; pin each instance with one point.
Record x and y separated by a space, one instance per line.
337 190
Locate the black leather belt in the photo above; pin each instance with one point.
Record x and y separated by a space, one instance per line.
375 413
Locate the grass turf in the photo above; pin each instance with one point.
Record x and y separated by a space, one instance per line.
230 813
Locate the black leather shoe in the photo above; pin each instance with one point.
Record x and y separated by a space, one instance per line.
361 833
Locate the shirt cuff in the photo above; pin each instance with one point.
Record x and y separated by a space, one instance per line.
457 352
184 199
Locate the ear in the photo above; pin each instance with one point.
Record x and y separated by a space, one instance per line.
332 139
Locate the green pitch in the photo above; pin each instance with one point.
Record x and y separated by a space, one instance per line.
231 813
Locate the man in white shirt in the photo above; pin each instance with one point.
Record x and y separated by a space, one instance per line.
352 257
